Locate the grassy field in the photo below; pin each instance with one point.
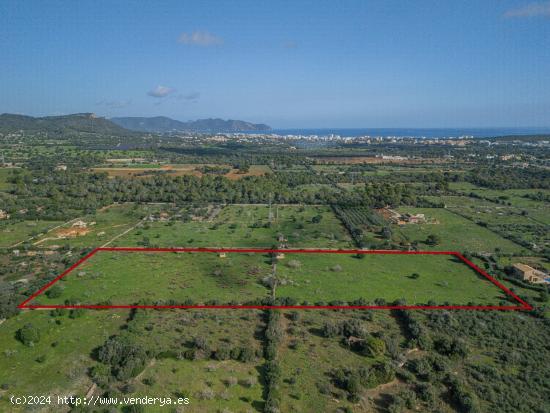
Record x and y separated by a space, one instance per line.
527 225
209 384
246 226
63 371
516 197
325 277
160 277
201 278
456 233
100 228
13 233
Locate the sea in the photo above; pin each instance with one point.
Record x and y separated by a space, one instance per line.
416 132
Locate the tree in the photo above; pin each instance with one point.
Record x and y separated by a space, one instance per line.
316 219
55 291
28 335
433 239
543 296
373 347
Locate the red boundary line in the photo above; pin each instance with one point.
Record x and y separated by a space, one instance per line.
524 305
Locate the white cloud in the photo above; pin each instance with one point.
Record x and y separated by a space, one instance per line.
530 10
198 38
160 91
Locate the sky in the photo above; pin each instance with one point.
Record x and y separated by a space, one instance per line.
290 64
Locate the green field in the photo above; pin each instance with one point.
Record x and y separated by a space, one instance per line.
456 233
101 227
516 197
203 278
160 277
527 225
244 226
327 277
63 370
14 233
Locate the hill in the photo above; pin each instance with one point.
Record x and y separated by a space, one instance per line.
163 124
61 125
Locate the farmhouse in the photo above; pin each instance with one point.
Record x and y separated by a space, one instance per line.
414 218
402 219
79 224
526 273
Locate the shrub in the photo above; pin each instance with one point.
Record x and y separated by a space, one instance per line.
28 335
55 291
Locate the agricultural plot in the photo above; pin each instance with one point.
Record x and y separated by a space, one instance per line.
363 223
179 278
527 226
454 233
95 230
518 198
14 233
244 226
418 279
163 278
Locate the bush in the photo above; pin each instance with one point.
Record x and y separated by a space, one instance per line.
28 335
222 353
372 347
433 239
126 359
55 291
247 355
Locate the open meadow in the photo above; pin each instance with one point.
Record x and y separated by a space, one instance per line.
184 278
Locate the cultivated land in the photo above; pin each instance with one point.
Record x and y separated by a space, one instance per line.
243 226
164 278
455 232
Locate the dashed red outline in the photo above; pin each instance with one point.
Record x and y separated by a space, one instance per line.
524 305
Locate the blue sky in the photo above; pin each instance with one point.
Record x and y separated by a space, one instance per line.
364 63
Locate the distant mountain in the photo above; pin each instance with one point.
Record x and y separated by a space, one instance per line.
62 125
162 124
